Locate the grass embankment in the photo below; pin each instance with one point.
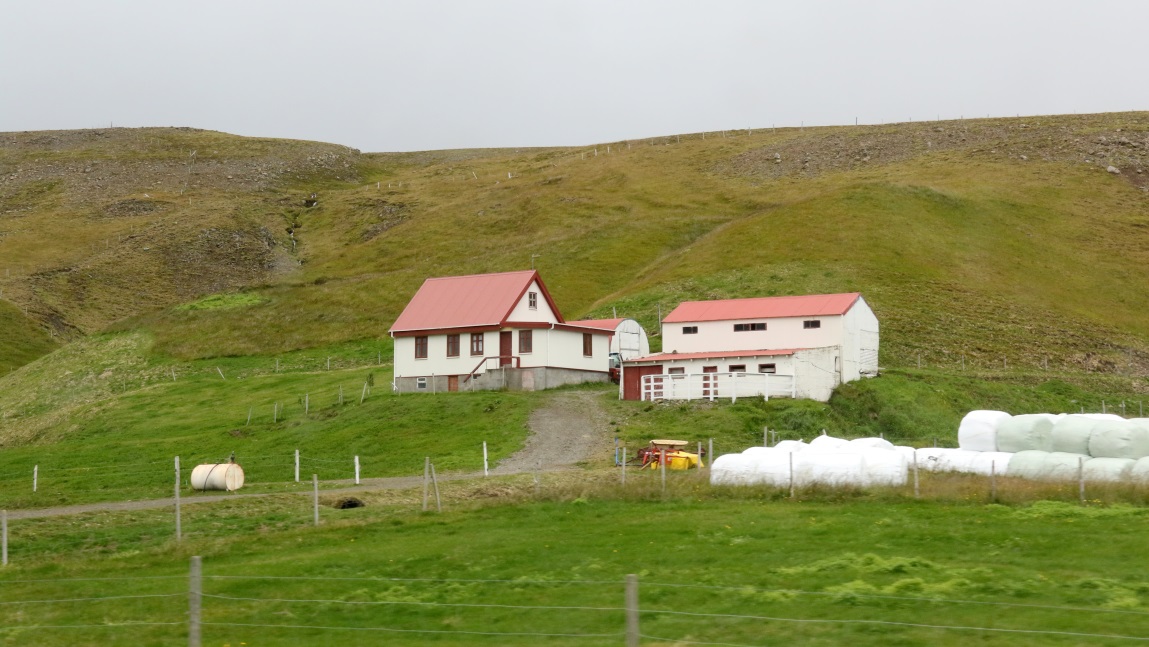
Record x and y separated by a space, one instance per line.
875 568
21 341
112 432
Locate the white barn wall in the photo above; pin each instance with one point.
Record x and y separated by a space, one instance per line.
815 373
860 331
780 333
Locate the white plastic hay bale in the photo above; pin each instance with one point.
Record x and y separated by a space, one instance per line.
884 467
1026 433
1140 471
1029 464
862 444
930 458
986 463
772 468
835 470
1119 439
731 469
1098 416
1063 466
957 460
828 444
978 430
909 453
790 446
1071 434
1108 469
754 452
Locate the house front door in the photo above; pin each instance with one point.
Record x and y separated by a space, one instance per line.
504 348
709 382
452 383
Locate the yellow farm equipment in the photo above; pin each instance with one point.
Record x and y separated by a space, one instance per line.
672 451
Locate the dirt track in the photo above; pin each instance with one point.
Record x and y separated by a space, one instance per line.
569 429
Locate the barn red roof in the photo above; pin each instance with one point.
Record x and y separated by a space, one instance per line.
813 305
667 357
478 300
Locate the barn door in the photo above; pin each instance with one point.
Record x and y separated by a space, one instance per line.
504 348
709 382
452 383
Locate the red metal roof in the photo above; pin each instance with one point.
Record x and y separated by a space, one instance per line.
468 301
668 357
812 305
602 324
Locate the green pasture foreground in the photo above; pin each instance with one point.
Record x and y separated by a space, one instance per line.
503 565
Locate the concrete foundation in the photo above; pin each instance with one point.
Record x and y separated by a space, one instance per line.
512 379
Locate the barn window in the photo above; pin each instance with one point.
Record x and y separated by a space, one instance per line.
588 344
814 323
420 348
747 327
533 300
476 343
452 345
526 341
690 330
420 383
677 370
737 368
767 368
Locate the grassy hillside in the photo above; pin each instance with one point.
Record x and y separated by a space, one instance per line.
21 340
1008 267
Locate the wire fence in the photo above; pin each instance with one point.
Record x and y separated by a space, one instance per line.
284 609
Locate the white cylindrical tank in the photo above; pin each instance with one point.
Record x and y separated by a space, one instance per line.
217 476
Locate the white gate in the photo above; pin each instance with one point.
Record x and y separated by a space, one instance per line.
713 386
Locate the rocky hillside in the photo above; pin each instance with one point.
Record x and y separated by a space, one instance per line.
1003 241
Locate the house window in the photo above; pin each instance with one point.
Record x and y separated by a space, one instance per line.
812 324
767 368
420 348
737 368
533 300
476 343
420 383
526 341
587 344
452 345
690 330
677 370
747 327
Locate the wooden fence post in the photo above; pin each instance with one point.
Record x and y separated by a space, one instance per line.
195 600
632 633
426 478
179 530
315 490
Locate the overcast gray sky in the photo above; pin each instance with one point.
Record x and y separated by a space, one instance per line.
416 75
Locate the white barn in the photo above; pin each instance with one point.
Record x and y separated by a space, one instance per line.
490 331
795 346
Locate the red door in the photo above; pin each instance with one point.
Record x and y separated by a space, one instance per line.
632 378
452 383
504 348
708 380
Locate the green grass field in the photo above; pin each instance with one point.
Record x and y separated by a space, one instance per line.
715 566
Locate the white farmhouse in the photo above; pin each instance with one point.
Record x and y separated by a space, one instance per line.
490 331
795 346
